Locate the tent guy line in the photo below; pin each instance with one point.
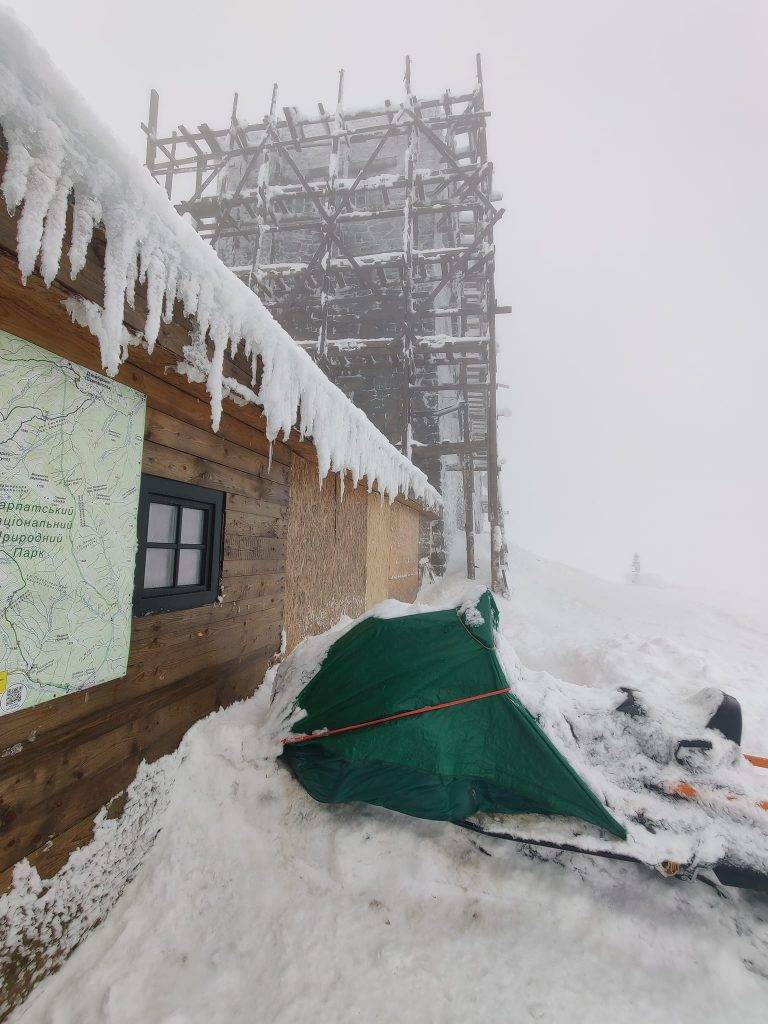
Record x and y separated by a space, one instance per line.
322 733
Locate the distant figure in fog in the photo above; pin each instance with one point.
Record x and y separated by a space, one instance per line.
635 574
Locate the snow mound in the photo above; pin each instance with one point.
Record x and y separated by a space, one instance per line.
58 149
688 806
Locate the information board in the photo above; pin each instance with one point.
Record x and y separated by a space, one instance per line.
70 469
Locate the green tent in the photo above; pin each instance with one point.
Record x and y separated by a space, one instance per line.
484 754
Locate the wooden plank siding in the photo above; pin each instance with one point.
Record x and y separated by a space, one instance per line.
72 755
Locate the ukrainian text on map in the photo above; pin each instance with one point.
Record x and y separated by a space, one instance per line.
70 469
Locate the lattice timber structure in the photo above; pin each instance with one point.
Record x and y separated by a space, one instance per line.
369 235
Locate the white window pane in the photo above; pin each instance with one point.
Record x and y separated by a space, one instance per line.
192 520
162 523
158 568
190 563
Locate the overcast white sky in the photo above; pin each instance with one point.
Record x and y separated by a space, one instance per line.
630 141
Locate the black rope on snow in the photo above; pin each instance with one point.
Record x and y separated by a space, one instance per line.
550 845
731 876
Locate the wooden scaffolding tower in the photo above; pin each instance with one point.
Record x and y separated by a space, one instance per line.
368 234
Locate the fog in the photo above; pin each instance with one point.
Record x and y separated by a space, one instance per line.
630 141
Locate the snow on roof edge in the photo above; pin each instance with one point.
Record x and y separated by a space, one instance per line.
57 147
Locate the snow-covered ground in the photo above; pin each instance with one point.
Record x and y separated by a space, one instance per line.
588 630
256 904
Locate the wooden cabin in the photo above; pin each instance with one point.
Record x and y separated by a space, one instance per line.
241 551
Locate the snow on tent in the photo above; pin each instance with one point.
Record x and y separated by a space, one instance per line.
411 709
414 713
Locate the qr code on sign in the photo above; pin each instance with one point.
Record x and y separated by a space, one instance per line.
13 697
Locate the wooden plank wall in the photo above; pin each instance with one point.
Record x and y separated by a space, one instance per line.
87 745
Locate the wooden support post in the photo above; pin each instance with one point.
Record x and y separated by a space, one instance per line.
467 476
154 107
482 147
199 175
263 153
169 172
495 514
408 310
340 91
334 158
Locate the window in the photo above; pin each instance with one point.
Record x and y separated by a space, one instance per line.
179 553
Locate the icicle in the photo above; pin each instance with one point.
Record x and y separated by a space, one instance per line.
88 314
53 232
215 375
132 273
189 289
144 253
155 273
17 168
205 310
39 196
85 216
170 293
119 269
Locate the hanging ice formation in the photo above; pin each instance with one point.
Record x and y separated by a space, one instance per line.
59 152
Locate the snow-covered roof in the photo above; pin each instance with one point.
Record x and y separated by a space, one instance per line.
57 149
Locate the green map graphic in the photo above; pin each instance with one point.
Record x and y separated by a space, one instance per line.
70 469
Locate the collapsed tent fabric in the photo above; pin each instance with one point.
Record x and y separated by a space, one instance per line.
487 754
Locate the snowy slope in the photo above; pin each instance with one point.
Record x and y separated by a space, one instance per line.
258 905
588 630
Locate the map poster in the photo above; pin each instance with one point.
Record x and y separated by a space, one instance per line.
70 470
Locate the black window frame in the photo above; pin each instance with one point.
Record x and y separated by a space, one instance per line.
158 490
